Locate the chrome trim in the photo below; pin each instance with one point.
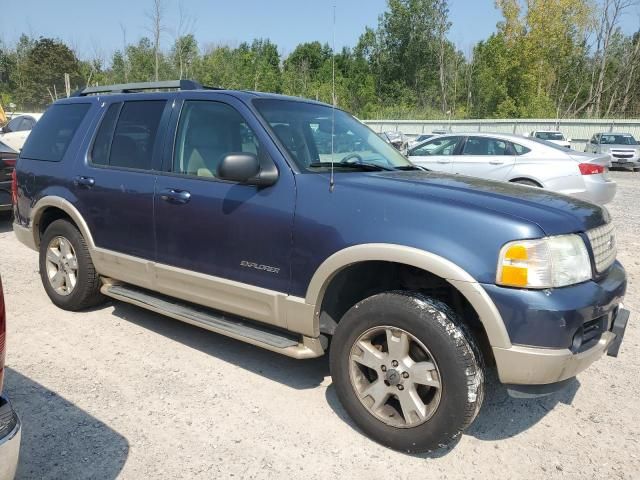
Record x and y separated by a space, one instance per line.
10 452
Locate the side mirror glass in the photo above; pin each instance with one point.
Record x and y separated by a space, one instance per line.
245 168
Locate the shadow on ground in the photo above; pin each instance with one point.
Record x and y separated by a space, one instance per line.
60 440
501 416
299 374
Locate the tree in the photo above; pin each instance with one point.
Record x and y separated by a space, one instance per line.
43 73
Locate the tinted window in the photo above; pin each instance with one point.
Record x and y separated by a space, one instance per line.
519 149
549 135
14 125
437 146
102 143
135 134
53 133
484 146
207 132
28 123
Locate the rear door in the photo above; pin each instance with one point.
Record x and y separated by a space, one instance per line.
115 184
484 157
435 154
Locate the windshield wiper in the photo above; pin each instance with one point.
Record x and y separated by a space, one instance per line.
367 167
411 167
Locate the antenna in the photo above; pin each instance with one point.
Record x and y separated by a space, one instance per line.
333 96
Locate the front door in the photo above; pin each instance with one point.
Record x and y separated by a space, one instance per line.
435 154
220 243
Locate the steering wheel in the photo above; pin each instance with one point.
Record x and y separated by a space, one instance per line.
352 158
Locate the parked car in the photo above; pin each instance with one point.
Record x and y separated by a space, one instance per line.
511 158
10 430
17 130
8 157
552 136
623 148
223 210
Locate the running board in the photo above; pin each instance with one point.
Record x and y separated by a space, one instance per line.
229 325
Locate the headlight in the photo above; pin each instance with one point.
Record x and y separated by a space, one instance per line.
544 263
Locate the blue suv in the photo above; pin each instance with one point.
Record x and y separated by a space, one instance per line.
290 225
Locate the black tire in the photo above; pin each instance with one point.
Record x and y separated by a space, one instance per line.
452 348
530 183
86 293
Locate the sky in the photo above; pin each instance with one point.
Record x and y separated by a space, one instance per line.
93 27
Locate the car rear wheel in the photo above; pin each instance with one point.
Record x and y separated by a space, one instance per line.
407 371
66 269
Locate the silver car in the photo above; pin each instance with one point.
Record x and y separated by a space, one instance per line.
622 147
512 158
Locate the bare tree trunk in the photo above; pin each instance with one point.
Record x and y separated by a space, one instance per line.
156 17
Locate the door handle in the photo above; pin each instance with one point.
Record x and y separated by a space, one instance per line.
84 181
443 161
173 195
496 162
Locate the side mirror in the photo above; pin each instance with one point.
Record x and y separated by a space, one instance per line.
245 168
4 129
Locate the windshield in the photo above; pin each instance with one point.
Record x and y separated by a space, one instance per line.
549 135
305 131
613 139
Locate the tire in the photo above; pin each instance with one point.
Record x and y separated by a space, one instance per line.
529 183
85 292
458 372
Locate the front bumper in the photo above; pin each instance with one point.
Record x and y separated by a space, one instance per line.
10 433
521 365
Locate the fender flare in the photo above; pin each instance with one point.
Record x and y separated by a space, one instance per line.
66 206
424 260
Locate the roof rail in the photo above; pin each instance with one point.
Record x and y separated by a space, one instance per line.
138 87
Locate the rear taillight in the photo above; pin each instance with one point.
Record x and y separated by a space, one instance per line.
14 187
590 168
10 162
3 335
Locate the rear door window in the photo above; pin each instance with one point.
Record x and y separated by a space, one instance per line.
484 146
127 135
52 135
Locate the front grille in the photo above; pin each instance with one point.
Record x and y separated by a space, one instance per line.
603 244
623 155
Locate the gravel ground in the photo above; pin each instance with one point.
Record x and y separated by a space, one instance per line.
121 392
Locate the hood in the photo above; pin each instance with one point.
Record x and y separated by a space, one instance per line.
554 213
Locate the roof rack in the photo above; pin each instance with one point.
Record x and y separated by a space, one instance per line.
138 87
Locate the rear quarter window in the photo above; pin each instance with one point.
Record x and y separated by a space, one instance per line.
52 135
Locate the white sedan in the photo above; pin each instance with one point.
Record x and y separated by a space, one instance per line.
15 132
512 158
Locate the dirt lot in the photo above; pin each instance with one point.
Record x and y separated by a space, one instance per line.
121 392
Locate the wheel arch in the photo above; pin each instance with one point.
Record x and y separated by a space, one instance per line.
428 262
529 179
51 208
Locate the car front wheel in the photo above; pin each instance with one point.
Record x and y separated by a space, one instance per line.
407 371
